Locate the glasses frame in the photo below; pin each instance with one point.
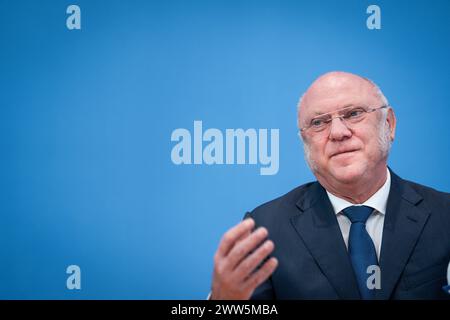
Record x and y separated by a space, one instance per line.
328 122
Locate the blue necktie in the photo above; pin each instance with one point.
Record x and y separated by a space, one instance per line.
360 247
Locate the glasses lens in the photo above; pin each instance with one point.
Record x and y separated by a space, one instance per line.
320 123
354 114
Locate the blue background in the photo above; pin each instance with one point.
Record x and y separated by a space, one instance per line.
86 117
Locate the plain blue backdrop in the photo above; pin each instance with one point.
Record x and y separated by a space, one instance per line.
86 118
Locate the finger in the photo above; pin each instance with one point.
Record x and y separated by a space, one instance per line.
243 236
262 274
249 264
231 236
243 248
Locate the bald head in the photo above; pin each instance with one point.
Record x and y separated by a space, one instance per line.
335 88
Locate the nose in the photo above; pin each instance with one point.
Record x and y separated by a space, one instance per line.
338 130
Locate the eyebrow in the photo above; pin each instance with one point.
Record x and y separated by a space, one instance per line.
347 106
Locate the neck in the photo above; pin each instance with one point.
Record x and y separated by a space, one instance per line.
359 191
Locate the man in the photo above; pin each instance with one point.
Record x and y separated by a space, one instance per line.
359 232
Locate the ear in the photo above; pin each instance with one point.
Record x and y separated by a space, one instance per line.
392 121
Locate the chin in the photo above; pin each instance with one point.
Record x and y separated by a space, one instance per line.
348 173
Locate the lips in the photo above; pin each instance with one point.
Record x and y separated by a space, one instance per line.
343 152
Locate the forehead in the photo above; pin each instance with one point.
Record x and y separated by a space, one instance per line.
328 95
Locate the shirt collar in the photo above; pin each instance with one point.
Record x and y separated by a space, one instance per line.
378 200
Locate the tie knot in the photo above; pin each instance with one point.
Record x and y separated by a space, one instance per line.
358 213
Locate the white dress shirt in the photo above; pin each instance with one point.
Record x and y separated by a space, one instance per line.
375 222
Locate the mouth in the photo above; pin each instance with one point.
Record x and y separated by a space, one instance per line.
346 152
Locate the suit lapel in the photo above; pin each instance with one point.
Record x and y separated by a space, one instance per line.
317 226
404 222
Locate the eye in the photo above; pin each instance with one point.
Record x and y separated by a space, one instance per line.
354 113
317 123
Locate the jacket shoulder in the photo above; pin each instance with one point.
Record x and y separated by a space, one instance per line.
282 204
433 197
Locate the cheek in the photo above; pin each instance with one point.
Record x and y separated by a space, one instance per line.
370 141
318 151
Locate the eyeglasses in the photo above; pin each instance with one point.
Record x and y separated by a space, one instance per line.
349 115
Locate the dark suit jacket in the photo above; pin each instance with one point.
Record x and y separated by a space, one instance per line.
313 258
